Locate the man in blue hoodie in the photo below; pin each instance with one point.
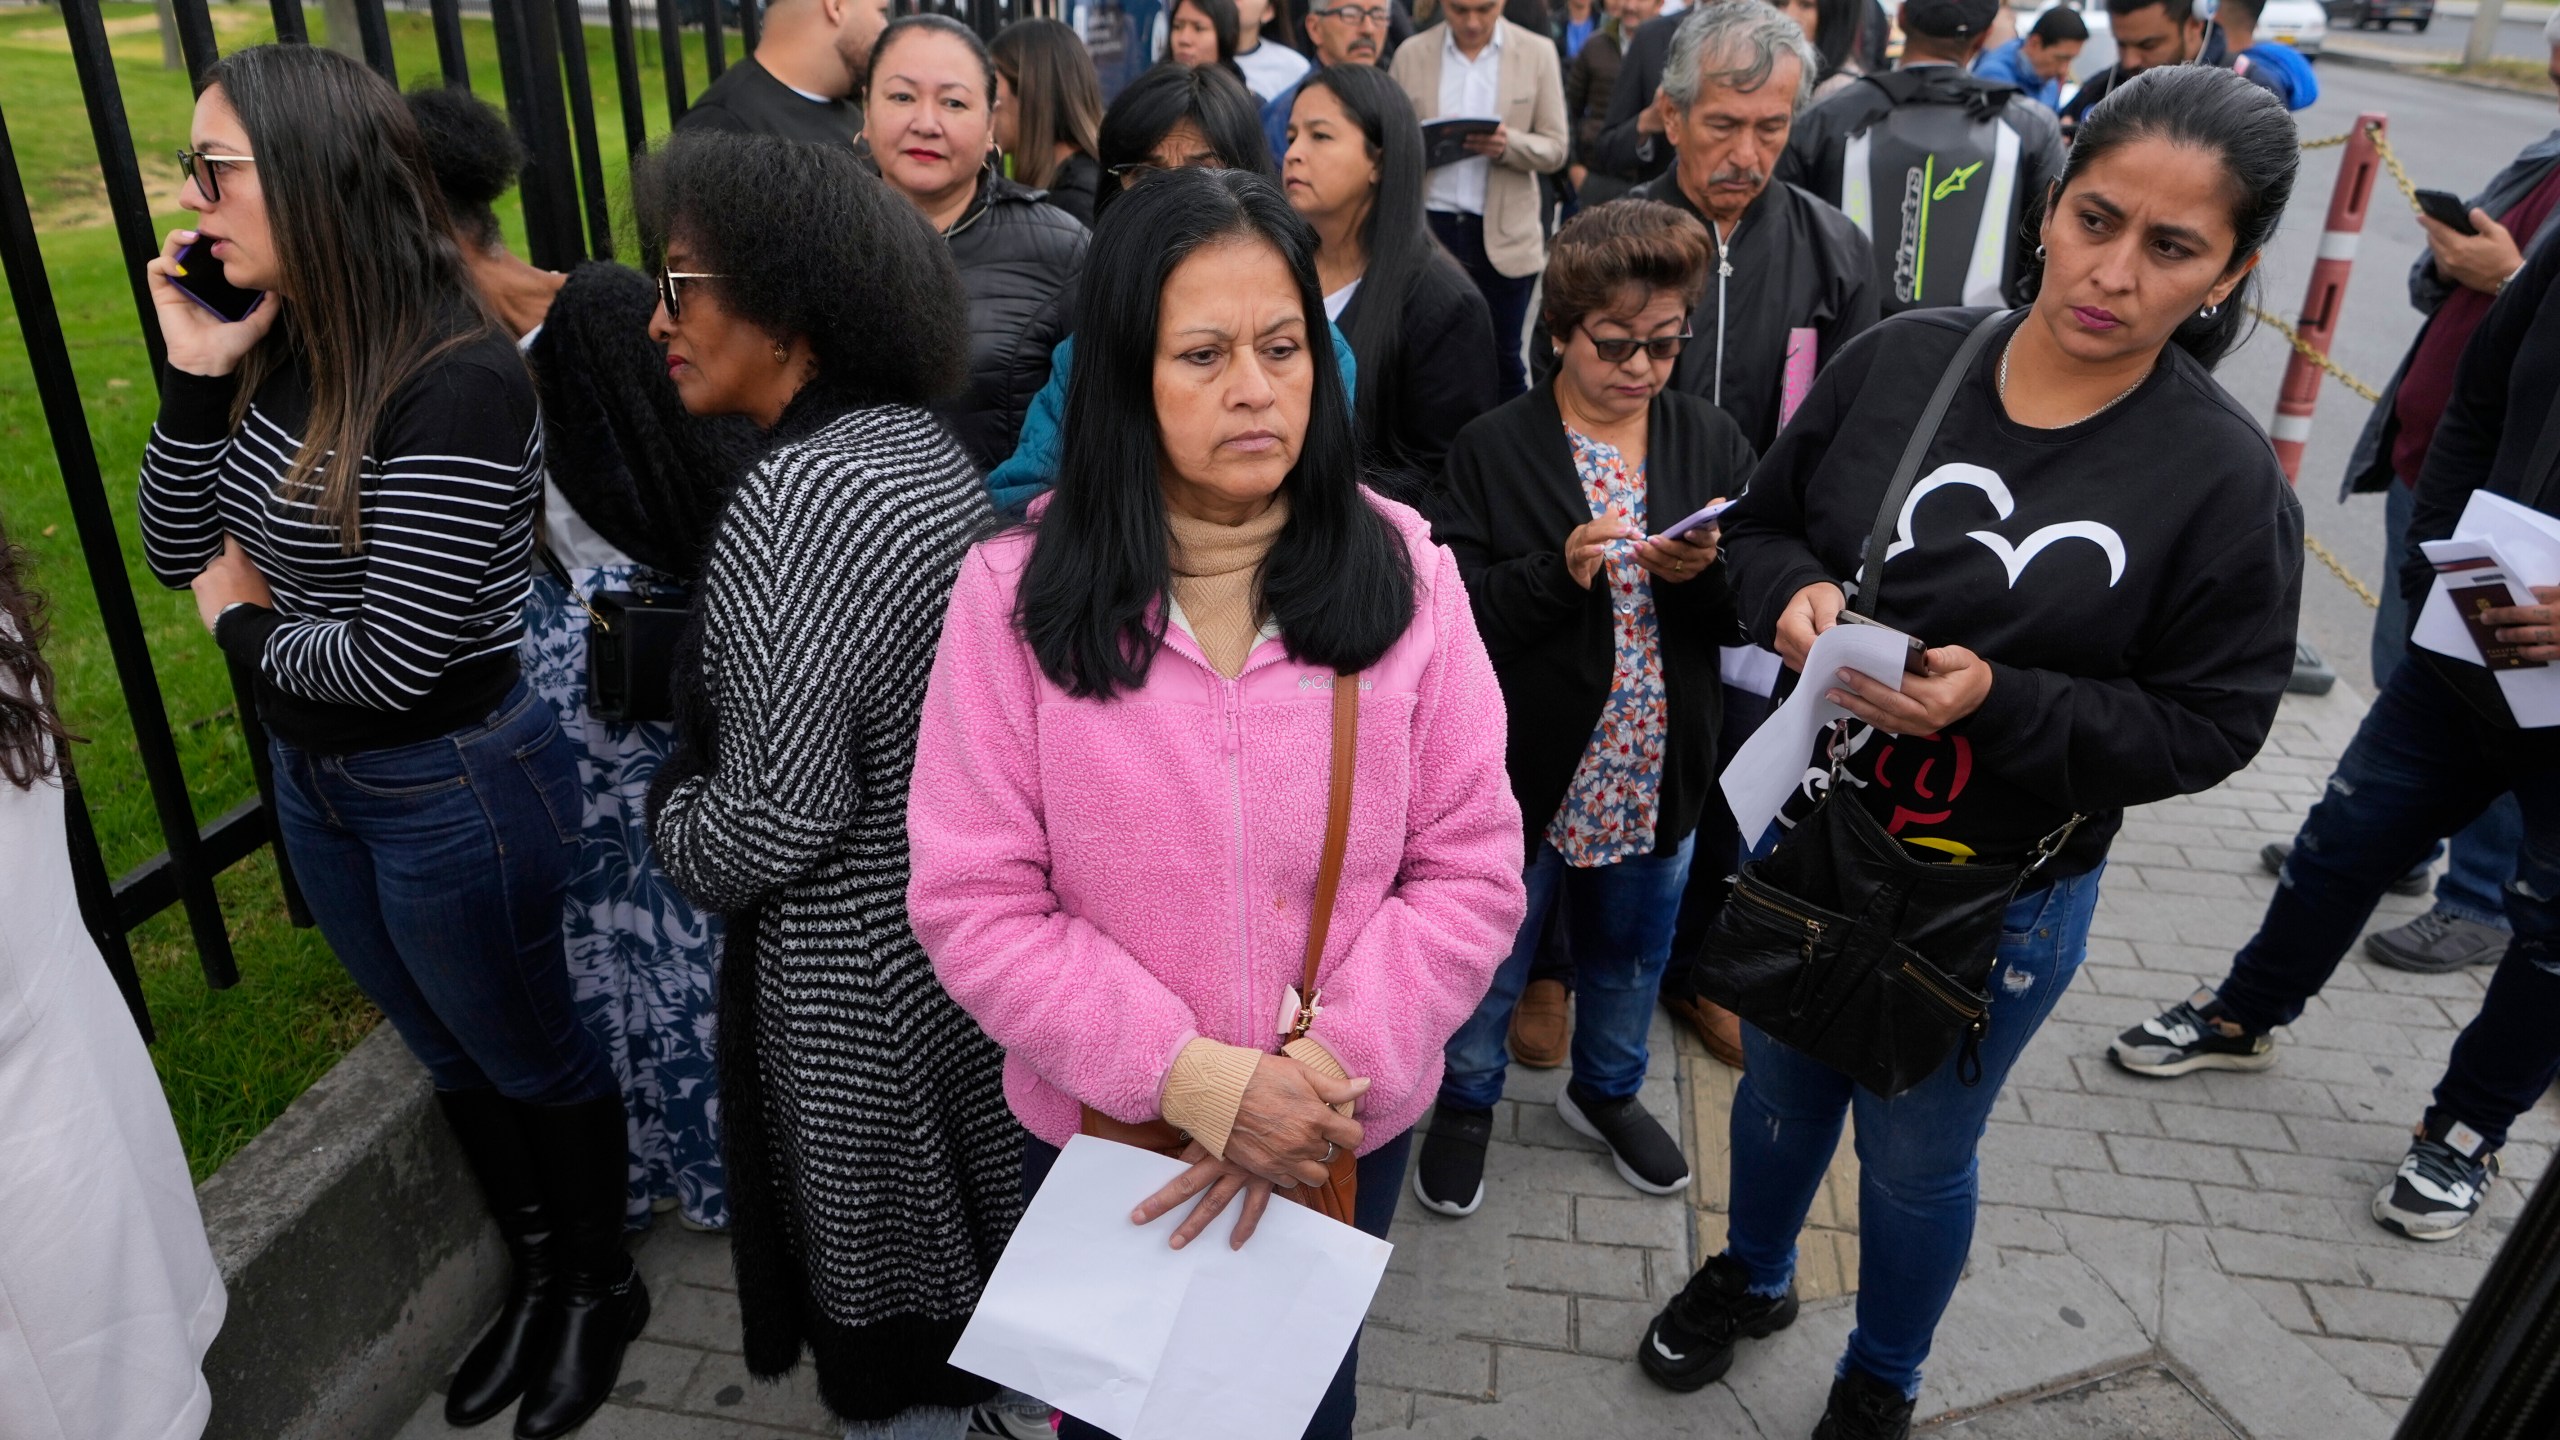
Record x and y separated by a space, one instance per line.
2275 65
2040 60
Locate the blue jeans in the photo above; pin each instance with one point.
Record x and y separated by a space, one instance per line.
1618 921
436 871
2484 851
1918 1181
2423 763
1373 1209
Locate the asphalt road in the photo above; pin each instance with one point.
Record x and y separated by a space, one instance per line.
2449 137
2517 39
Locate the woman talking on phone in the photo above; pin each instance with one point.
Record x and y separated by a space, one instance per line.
2103 558
348 478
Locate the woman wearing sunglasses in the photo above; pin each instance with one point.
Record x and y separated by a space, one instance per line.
1604 635
349 479
874 1172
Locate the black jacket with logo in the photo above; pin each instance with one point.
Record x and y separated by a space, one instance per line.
1931 113
2132 580
1792 263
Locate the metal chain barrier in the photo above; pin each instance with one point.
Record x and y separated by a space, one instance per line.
2308 351
2338 567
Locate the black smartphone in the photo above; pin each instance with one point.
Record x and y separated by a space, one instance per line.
1915 661
2446 208
200 276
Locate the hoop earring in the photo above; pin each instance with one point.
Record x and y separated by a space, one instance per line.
2208 312
2039 254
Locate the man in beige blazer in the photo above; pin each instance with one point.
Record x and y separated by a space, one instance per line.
1485 209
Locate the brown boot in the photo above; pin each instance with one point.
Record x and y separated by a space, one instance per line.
1541 1026
1719 1028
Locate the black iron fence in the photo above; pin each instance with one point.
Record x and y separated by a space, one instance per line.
550 99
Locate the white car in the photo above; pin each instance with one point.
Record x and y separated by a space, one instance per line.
2302 24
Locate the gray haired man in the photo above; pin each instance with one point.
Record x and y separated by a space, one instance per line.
1789 268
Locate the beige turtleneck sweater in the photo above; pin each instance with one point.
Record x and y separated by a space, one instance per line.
1217 581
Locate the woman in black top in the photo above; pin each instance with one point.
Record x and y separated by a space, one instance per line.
1604 635
928 118
348 478
2106 561
1422 334
874 1168
1048 113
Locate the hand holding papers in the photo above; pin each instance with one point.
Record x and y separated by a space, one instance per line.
2498 541
1771 763
1104 1320
1444 141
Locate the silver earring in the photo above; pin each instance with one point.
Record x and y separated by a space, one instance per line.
2039 253
2208 312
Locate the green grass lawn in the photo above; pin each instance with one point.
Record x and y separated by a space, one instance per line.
229 1060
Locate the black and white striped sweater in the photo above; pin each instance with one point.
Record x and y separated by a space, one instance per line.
874 1168
411 635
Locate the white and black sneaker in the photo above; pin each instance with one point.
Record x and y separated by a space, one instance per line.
2197 1033
2442 1180
1449 1178
1021 1419
1645 1154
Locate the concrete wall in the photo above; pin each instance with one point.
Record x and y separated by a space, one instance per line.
360 1259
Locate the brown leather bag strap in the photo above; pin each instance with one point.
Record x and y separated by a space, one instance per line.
1337 836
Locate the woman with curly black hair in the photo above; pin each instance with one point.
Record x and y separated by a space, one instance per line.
874 1171
105 1236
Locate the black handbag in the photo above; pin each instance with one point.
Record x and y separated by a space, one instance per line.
631 645
1842 945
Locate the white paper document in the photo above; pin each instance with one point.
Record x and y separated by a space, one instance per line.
1771 764
2526 544
1104 1320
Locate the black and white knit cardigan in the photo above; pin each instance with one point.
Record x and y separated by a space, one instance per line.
875 1172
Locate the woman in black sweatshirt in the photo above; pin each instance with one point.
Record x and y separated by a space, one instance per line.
348 479
1604 635
2105 560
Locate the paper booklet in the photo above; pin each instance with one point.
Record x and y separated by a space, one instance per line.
1104 1320
1444 141
2499 548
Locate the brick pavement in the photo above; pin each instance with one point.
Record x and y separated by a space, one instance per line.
2216 1224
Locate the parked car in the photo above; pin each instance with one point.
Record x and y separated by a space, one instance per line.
2367 14
2302 24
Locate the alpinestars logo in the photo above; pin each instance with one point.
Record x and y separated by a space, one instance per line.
1922 188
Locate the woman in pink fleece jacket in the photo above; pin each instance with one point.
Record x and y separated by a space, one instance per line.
1121 781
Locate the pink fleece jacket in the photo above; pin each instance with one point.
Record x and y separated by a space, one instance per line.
1100 882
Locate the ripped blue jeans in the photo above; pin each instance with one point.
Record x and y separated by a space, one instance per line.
1918 1181
2423 764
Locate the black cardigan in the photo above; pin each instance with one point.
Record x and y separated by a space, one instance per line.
1444 377
1510 498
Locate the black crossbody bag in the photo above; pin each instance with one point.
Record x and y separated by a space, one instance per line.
1840 944
631 646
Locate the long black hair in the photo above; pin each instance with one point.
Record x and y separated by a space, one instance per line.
31 733
1837 29
364 249
1338 582
2243 126
1210 98
1397 242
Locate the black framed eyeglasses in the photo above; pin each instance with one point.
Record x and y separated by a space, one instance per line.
1356 14
206 170
1619 351
668 294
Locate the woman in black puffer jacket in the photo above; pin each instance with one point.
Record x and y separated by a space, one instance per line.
929 120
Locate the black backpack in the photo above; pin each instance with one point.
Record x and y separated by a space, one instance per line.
1935 188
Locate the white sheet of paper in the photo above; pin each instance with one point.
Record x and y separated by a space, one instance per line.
1104 1320
2527 544
1771 764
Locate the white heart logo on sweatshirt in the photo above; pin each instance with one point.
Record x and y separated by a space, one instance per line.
2014 559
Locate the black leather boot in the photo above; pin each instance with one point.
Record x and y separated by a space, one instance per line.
580 1153
493 1140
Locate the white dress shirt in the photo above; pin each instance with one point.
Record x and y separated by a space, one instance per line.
1467 88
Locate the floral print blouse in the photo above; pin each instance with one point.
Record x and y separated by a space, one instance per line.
1609 810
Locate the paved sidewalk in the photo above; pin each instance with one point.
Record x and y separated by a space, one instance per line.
2215 1226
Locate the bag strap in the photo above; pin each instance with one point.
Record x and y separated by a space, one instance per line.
1907 474
1337 837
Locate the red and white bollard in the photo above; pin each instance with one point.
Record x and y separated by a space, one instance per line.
2328 292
